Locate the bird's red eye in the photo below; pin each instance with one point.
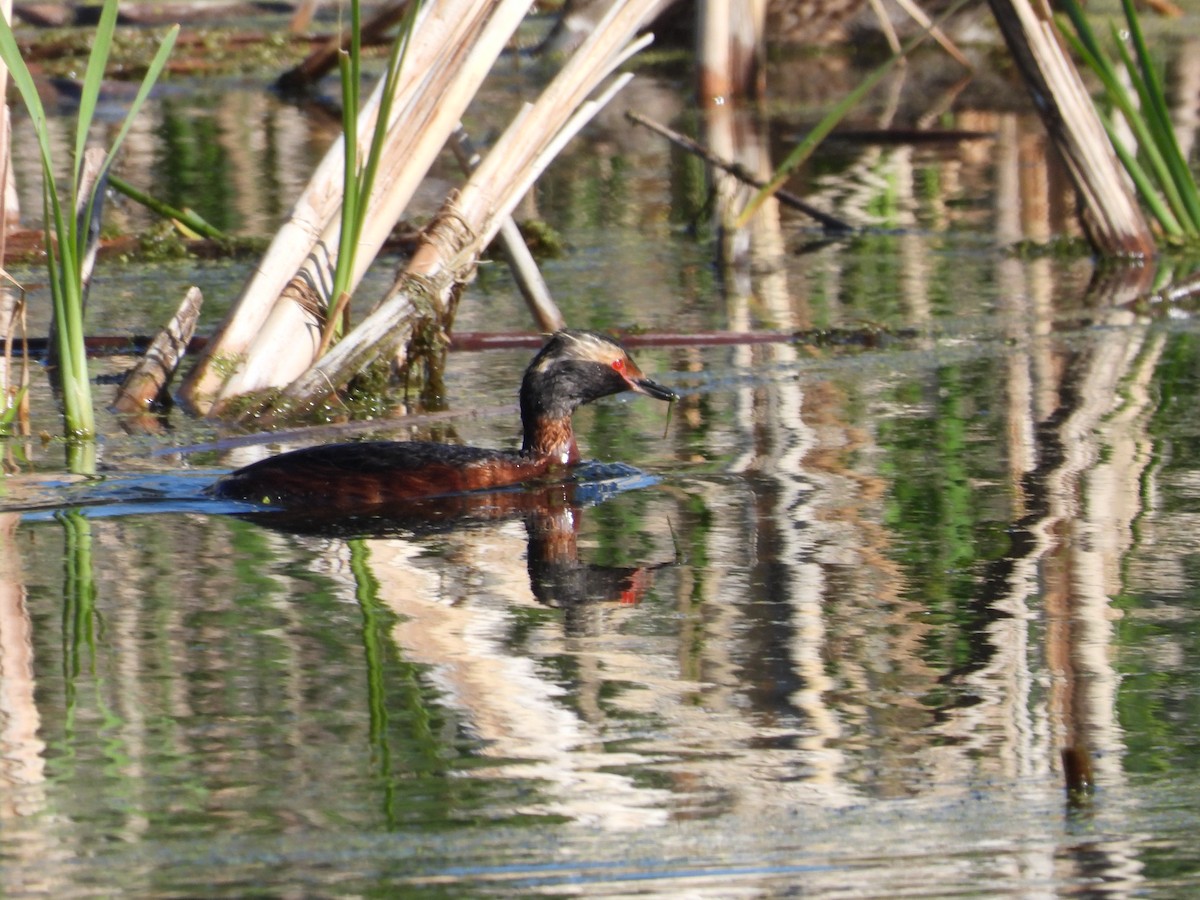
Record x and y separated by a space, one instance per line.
618 365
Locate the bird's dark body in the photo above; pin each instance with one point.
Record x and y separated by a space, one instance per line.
574 367
361 475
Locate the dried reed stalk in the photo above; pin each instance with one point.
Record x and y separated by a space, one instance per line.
467 223
273 330
1111 217
731 50
8 186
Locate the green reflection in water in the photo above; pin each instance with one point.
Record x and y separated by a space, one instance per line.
1158 703
936 454
424 754
193 168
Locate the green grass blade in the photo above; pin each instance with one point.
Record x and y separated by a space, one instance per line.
62 270
1153 141
352 212
395 66
1083 29
10 413
153 72
360 180
187 218
1152 85
356 44
65 231
1159 171
93 79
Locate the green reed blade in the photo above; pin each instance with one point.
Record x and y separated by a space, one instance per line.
1153 142
10 52
153 72
9 415
359 179
1158 173
66 231
93 80
1159 170
1086 35
1161 112
1145 184
395 66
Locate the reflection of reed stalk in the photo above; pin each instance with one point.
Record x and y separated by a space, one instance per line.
429 751
68 225
366 592
802 151
79 597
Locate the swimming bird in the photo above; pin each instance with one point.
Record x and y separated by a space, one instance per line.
574 367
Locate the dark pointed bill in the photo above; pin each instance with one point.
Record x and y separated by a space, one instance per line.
653 389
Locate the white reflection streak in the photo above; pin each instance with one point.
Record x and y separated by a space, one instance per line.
22 765
20 747
455 615
777 442
1106 442
1007 684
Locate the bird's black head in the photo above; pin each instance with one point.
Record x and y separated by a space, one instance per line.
577 367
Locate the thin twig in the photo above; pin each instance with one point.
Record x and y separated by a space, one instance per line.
827 221
516 251
918 15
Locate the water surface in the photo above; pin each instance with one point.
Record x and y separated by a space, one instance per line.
831 636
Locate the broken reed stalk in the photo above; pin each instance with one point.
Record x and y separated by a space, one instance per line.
273 331
731 50
1110 215
449 250
9 207
145 387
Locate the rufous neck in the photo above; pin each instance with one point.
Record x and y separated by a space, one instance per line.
552 439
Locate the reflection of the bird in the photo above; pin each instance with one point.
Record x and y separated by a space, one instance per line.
552 514
449 569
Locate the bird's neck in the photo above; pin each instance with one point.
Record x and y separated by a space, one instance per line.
550 439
